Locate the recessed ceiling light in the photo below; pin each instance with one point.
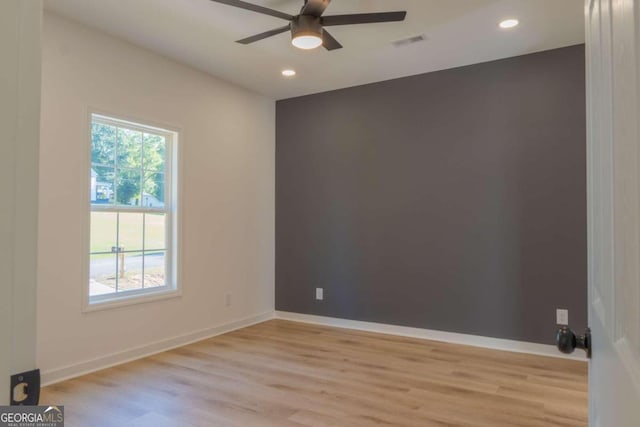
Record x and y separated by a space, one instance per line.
288 73
509 23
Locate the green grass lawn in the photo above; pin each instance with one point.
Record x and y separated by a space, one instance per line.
105 235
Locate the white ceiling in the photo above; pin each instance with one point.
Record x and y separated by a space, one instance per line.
201 33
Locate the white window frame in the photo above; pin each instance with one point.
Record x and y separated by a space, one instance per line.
172 287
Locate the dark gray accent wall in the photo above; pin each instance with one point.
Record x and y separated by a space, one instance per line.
453 200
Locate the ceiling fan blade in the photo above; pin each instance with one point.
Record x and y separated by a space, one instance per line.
255 8
329 42
264 35
314 7
363 18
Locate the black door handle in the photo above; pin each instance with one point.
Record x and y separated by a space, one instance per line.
567 341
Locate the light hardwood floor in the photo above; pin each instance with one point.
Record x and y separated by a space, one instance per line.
281 373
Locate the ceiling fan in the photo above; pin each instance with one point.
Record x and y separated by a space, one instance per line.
307 28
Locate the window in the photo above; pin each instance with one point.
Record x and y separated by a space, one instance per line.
132 244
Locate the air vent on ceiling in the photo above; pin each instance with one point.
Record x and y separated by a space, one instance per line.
409 41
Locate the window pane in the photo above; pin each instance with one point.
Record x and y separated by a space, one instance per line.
154 232
104 231
130 271
129 148
154 269
128 222
154 152
128 183
103 144
102 274
102 185
130 230
153 196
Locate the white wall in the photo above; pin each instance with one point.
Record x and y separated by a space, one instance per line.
20 23
228 146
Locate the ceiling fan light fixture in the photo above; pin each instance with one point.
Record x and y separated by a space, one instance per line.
307 42
306 32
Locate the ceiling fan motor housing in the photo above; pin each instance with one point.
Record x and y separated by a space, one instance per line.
306 25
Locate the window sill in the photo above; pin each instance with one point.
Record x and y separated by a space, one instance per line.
124 301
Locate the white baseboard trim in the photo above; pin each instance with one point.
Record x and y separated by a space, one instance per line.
71 371
427 334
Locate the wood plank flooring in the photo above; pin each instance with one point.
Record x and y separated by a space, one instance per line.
281 373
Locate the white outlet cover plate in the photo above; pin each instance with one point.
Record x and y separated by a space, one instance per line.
562 317
319 294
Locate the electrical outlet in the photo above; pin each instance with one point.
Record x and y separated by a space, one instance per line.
562 317
319 294
227 300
